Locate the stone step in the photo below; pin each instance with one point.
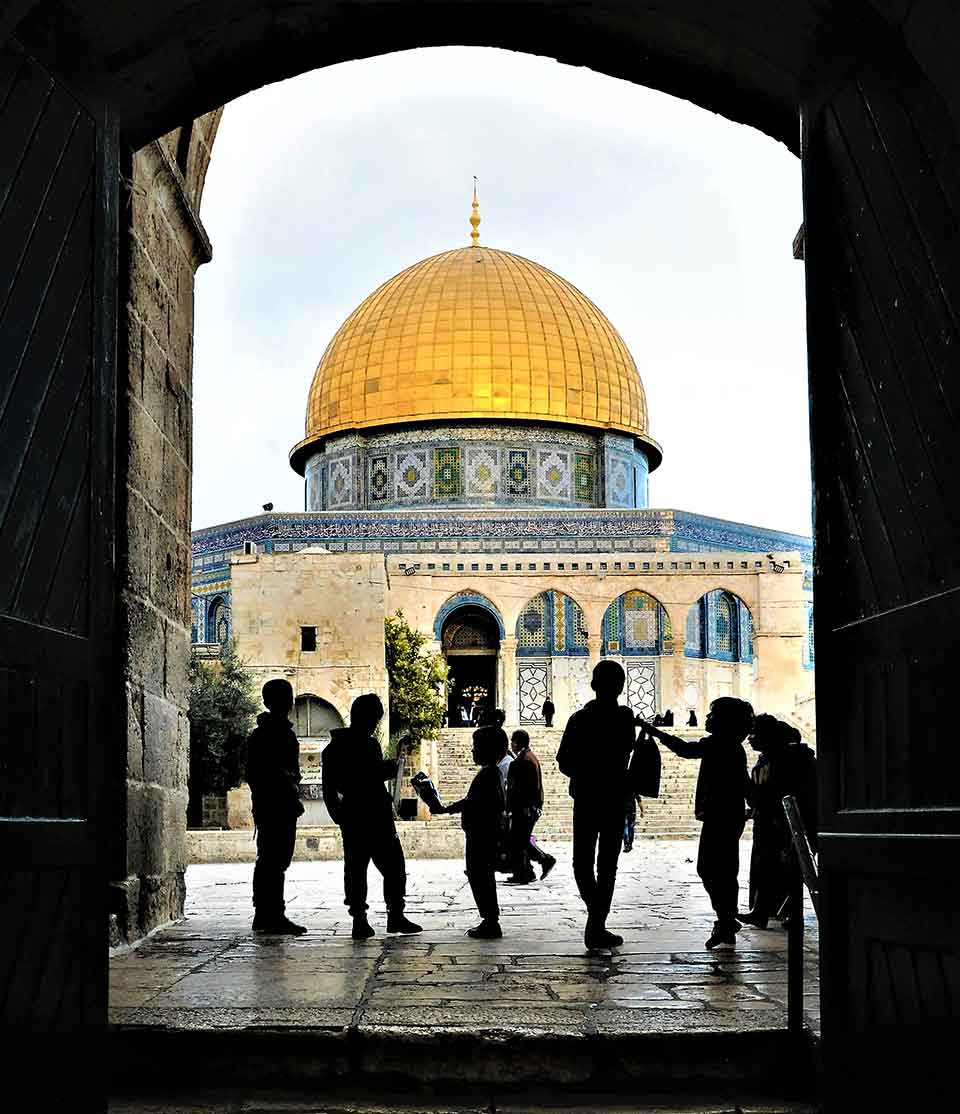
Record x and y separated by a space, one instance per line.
758 1067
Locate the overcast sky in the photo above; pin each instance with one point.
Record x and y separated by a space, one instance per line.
677 223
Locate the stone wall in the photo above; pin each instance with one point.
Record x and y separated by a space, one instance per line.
162 244
341 595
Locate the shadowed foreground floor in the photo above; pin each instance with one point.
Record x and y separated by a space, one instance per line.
211 975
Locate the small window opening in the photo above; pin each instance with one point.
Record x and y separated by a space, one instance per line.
308 639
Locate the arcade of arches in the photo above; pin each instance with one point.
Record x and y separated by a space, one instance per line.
876 86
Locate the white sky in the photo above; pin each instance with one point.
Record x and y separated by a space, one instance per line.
677 223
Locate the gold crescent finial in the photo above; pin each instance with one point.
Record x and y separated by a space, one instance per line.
475 216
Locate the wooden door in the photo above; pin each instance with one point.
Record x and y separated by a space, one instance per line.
57 648
882 213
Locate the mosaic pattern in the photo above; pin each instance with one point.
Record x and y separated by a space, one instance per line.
583 478
532 624
379 485
552 624
726 643
518 473
411 475
446 473
483 472
580 528
340 482
635 623
692 645
533 684
642 688
619 481
553 474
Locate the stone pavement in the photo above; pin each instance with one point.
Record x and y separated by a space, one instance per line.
211 972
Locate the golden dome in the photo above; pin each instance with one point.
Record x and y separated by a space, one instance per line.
475 333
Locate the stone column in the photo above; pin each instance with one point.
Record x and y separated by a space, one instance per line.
779 632
672 663
508 696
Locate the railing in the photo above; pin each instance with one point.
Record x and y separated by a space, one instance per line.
803 871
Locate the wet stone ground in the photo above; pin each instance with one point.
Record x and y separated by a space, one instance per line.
210 971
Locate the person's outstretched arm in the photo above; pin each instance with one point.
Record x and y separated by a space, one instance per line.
680 747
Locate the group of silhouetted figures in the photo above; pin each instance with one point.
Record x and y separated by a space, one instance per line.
612 760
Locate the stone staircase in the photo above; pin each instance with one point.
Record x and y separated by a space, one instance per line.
670 815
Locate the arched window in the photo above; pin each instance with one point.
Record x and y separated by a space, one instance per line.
552 624
314 718
725 636
218 621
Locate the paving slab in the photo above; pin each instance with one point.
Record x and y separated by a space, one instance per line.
210 973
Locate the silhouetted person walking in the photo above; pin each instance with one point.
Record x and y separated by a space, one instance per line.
354 772
549 711
273 774
595 753
525 805
482 811
668 718
722 790
692 719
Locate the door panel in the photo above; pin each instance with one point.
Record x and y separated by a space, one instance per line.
58 242
882 216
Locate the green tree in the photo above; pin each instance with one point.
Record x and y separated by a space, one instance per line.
223 703
418 681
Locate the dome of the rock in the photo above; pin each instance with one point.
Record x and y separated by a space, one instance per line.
475 333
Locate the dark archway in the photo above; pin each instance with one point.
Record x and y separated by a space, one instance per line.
876 89
470 640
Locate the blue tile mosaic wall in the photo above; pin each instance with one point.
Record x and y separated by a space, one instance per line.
476 466
551 625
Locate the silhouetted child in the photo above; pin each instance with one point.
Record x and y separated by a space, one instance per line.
722 791
595 753
785 768
273 774
482 812
354 772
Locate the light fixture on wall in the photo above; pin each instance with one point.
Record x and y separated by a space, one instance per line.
268 506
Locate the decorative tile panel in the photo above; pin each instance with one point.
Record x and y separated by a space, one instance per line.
553 474
533 684
619 481
446 473
483 472
411 475
379 483
518 473
583 478
340 482
642 688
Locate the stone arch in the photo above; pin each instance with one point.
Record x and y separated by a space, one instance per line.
314 717
466 599
635 624
551 624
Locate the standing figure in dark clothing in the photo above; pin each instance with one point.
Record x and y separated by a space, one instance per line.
549 711
786 767
692 719
595 754
482 811
273 774
722 791
668 718
525 804
354 772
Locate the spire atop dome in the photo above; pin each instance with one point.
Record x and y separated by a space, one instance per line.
475 216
